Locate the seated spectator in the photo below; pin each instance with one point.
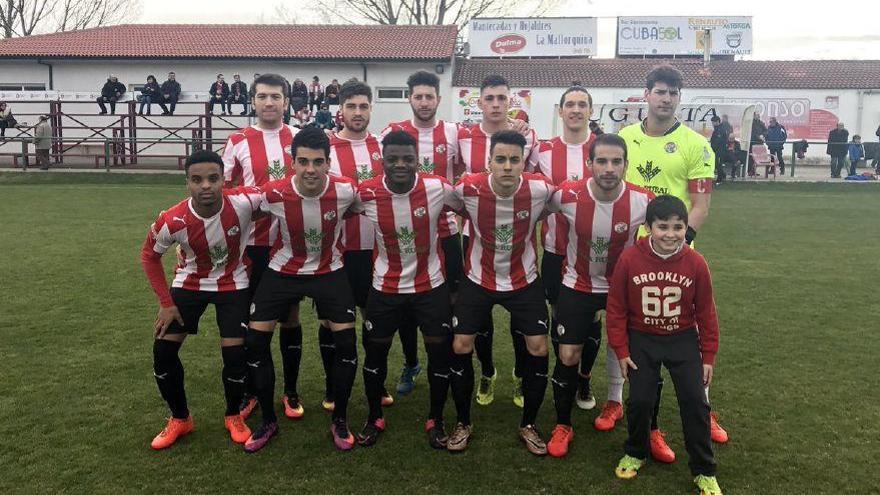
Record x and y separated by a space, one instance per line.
302 118
170 94
219 94
324 119
299 94
856 153
149 93
238 94
6 118
331 95
112 91
732 155
338 120
594 128
316 94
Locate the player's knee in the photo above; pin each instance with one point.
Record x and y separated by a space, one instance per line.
569 355
537 345
463 344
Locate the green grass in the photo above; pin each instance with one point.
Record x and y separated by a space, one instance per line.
795 270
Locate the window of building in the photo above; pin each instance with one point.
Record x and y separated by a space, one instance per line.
23 87
392 94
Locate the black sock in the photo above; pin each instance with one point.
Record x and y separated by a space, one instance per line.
409 341
438 376
290 340
554 339
483 348
591 348
375 371
262 371
344 370
534 386
234 376
519 352
564 389
168 371
328 350
657 405
461 374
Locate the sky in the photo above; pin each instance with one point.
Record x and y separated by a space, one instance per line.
782 29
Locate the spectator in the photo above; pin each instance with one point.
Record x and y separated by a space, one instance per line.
302 117
776 138
170 94
253 112
316 94
856 153
838 148
6 118
239 94
110 93
299 94
338 120
718 142
149 93
875 163
331 95
725 123
43 141
732 155
219 94
594 128
759 136
324 119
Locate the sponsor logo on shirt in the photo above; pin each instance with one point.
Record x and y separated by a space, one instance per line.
219 256
503 236
600 249
314 240
427 166
405 240
648 171
276 169
364 172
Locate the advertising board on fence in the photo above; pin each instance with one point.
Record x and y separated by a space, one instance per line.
664 35
533 37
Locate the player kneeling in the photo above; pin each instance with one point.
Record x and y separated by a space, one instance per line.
211 228
661 294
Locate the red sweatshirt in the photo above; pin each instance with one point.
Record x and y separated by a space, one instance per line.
652 295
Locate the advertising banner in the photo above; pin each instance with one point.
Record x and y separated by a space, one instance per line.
683 35
535 37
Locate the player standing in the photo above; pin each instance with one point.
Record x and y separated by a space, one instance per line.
502 209
211 229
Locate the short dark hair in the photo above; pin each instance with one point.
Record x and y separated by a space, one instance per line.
493 80
398 138
274 80
423 78
311 138
507 137
608 139
577 88
202 156
353 88
666 74
664 207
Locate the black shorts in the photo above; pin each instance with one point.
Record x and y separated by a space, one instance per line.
277 292
576 314
431 311
453 260
259 257
359 269
231 308
473 308
551 274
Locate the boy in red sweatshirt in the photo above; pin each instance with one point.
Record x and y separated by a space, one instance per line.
661 311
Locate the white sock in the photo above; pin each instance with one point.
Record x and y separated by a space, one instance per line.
706 390
615 379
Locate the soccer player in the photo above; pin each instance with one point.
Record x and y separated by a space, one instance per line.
502 209
437 143
561 159
406 209
666 157
602 215
355 153
211 228
661 312
254 156
305 262
474 146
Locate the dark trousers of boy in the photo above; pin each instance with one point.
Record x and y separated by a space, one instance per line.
680 354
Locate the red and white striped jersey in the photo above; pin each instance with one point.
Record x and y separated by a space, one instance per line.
212 247
438 155
358 160
310 242
473 144
253 157
407 258
559 162
501 254
598 231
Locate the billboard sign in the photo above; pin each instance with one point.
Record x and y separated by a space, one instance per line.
533 37
663 35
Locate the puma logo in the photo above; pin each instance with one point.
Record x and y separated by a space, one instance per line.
254 364
233 380
327 346
542 323
352 362
179 219
294 347
438 375
457 373
160 377
374 371
557 382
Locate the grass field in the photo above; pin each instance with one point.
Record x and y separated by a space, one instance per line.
793 266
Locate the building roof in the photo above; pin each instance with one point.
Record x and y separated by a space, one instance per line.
630 73
238 41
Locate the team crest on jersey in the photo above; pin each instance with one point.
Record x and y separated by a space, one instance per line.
364 172
234 230
314 238
276 169
375 156
503 236
441 148
620 227
648 171
219 255
427 166
330 215
522 214
574 177
560 330
420 212
670 147
454 322
368 325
